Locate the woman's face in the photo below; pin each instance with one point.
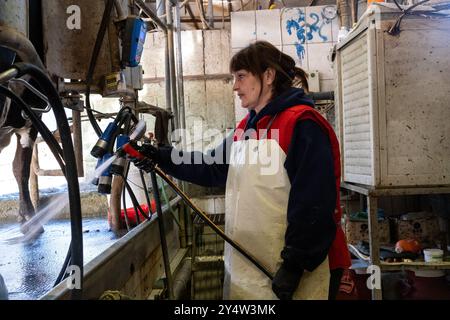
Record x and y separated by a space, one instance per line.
248 88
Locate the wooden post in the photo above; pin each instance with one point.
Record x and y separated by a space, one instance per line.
115 204
34 183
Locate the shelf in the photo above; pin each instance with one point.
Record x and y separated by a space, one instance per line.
372 194
394 191
417 265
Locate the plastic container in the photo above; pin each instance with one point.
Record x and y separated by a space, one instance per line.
433 255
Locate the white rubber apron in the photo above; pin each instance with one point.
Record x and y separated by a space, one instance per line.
256 200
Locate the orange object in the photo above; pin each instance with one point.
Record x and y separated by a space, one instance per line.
370 1
407 245
131 214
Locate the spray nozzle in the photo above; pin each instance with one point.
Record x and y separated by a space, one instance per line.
131 148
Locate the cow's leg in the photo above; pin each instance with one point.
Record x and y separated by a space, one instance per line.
21 169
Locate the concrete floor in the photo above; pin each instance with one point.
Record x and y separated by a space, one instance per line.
30 270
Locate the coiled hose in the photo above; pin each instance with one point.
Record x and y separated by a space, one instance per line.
68 155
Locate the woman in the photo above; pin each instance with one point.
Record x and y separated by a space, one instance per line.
281 169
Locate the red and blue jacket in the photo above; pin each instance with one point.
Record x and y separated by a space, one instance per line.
312 165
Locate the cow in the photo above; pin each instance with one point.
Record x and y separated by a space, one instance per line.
13 123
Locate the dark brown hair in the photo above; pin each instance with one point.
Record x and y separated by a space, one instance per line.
259 56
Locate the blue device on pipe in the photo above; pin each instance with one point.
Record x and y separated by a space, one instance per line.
133 41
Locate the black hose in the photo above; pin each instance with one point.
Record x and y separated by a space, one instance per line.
147 197
54 148
71 167
39 125
124 203
136 204
89 113
92 63
125 119
62 273
162 234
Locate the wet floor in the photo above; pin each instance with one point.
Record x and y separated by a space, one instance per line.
30 270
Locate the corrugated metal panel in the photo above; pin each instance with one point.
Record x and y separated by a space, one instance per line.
355 96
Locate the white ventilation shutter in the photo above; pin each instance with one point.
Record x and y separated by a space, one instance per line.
356 106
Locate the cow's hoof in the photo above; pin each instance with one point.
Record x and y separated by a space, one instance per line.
32 230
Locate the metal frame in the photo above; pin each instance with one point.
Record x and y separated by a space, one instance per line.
372 194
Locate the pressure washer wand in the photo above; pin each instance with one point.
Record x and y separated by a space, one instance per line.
128 148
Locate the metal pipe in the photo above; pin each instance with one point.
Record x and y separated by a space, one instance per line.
344 13
17 42
180 87
323 95
80 87
211 13
162 232
161 11
208 221
171 56
151 14
182 279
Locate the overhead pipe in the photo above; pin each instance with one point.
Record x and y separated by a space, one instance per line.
345 14
180 82
172 70
161 6
151 14
211 13
161 12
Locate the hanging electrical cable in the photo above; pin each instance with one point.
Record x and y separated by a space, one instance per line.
147 197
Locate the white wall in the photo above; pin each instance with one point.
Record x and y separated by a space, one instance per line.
302 32
208 94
